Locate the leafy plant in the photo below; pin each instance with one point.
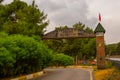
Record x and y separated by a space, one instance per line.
62 60
20 18
22 54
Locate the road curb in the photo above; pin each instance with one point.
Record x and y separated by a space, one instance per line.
29 76
91 75
37 74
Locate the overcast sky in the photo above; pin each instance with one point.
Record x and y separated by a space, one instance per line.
69 12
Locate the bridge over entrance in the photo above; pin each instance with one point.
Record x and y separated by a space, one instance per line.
68 33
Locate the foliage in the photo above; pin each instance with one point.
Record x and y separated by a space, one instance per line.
3 34
20 18
61 27
83 48
6 62
118 48
113 49
21 54
102 74
114 76
107 74
1 1
61 60
79 25
109 64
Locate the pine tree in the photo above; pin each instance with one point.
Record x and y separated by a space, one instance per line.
20 18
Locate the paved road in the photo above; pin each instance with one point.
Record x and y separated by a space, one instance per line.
65 74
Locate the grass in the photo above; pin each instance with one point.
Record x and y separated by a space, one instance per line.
107 74
102 74
115 75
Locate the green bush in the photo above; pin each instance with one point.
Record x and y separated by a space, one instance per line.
3 34
109 64
21 54
6 62
62 60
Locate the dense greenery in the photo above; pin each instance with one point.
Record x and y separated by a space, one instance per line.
21 54
81 48
20 18
1 1
112 75
61 60
113 49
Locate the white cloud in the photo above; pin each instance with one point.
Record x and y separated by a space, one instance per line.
110 17
68 12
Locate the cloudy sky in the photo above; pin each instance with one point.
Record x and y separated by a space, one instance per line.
69 12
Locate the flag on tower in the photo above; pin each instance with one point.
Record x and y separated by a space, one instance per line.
99 17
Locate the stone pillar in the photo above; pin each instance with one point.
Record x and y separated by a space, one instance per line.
100 47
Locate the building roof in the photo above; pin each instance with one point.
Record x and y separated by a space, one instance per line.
99 28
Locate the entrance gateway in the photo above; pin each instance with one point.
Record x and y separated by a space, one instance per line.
76 33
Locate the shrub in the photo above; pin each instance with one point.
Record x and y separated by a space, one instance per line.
21 54
62 60
109 64
6 62
3 34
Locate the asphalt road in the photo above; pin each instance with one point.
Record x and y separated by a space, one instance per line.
65 74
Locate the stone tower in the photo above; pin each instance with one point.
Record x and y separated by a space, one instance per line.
100 47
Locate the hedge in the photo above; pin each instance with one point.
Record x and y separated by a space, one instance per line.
21 55
62 60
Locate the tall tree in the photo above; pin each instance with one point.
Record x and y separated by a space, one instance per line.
61 27
87 29
20 18
1 1
81 47
112 49
79 25
118 49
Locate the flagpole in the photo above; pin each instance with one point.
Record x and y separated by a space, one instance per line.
99 17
